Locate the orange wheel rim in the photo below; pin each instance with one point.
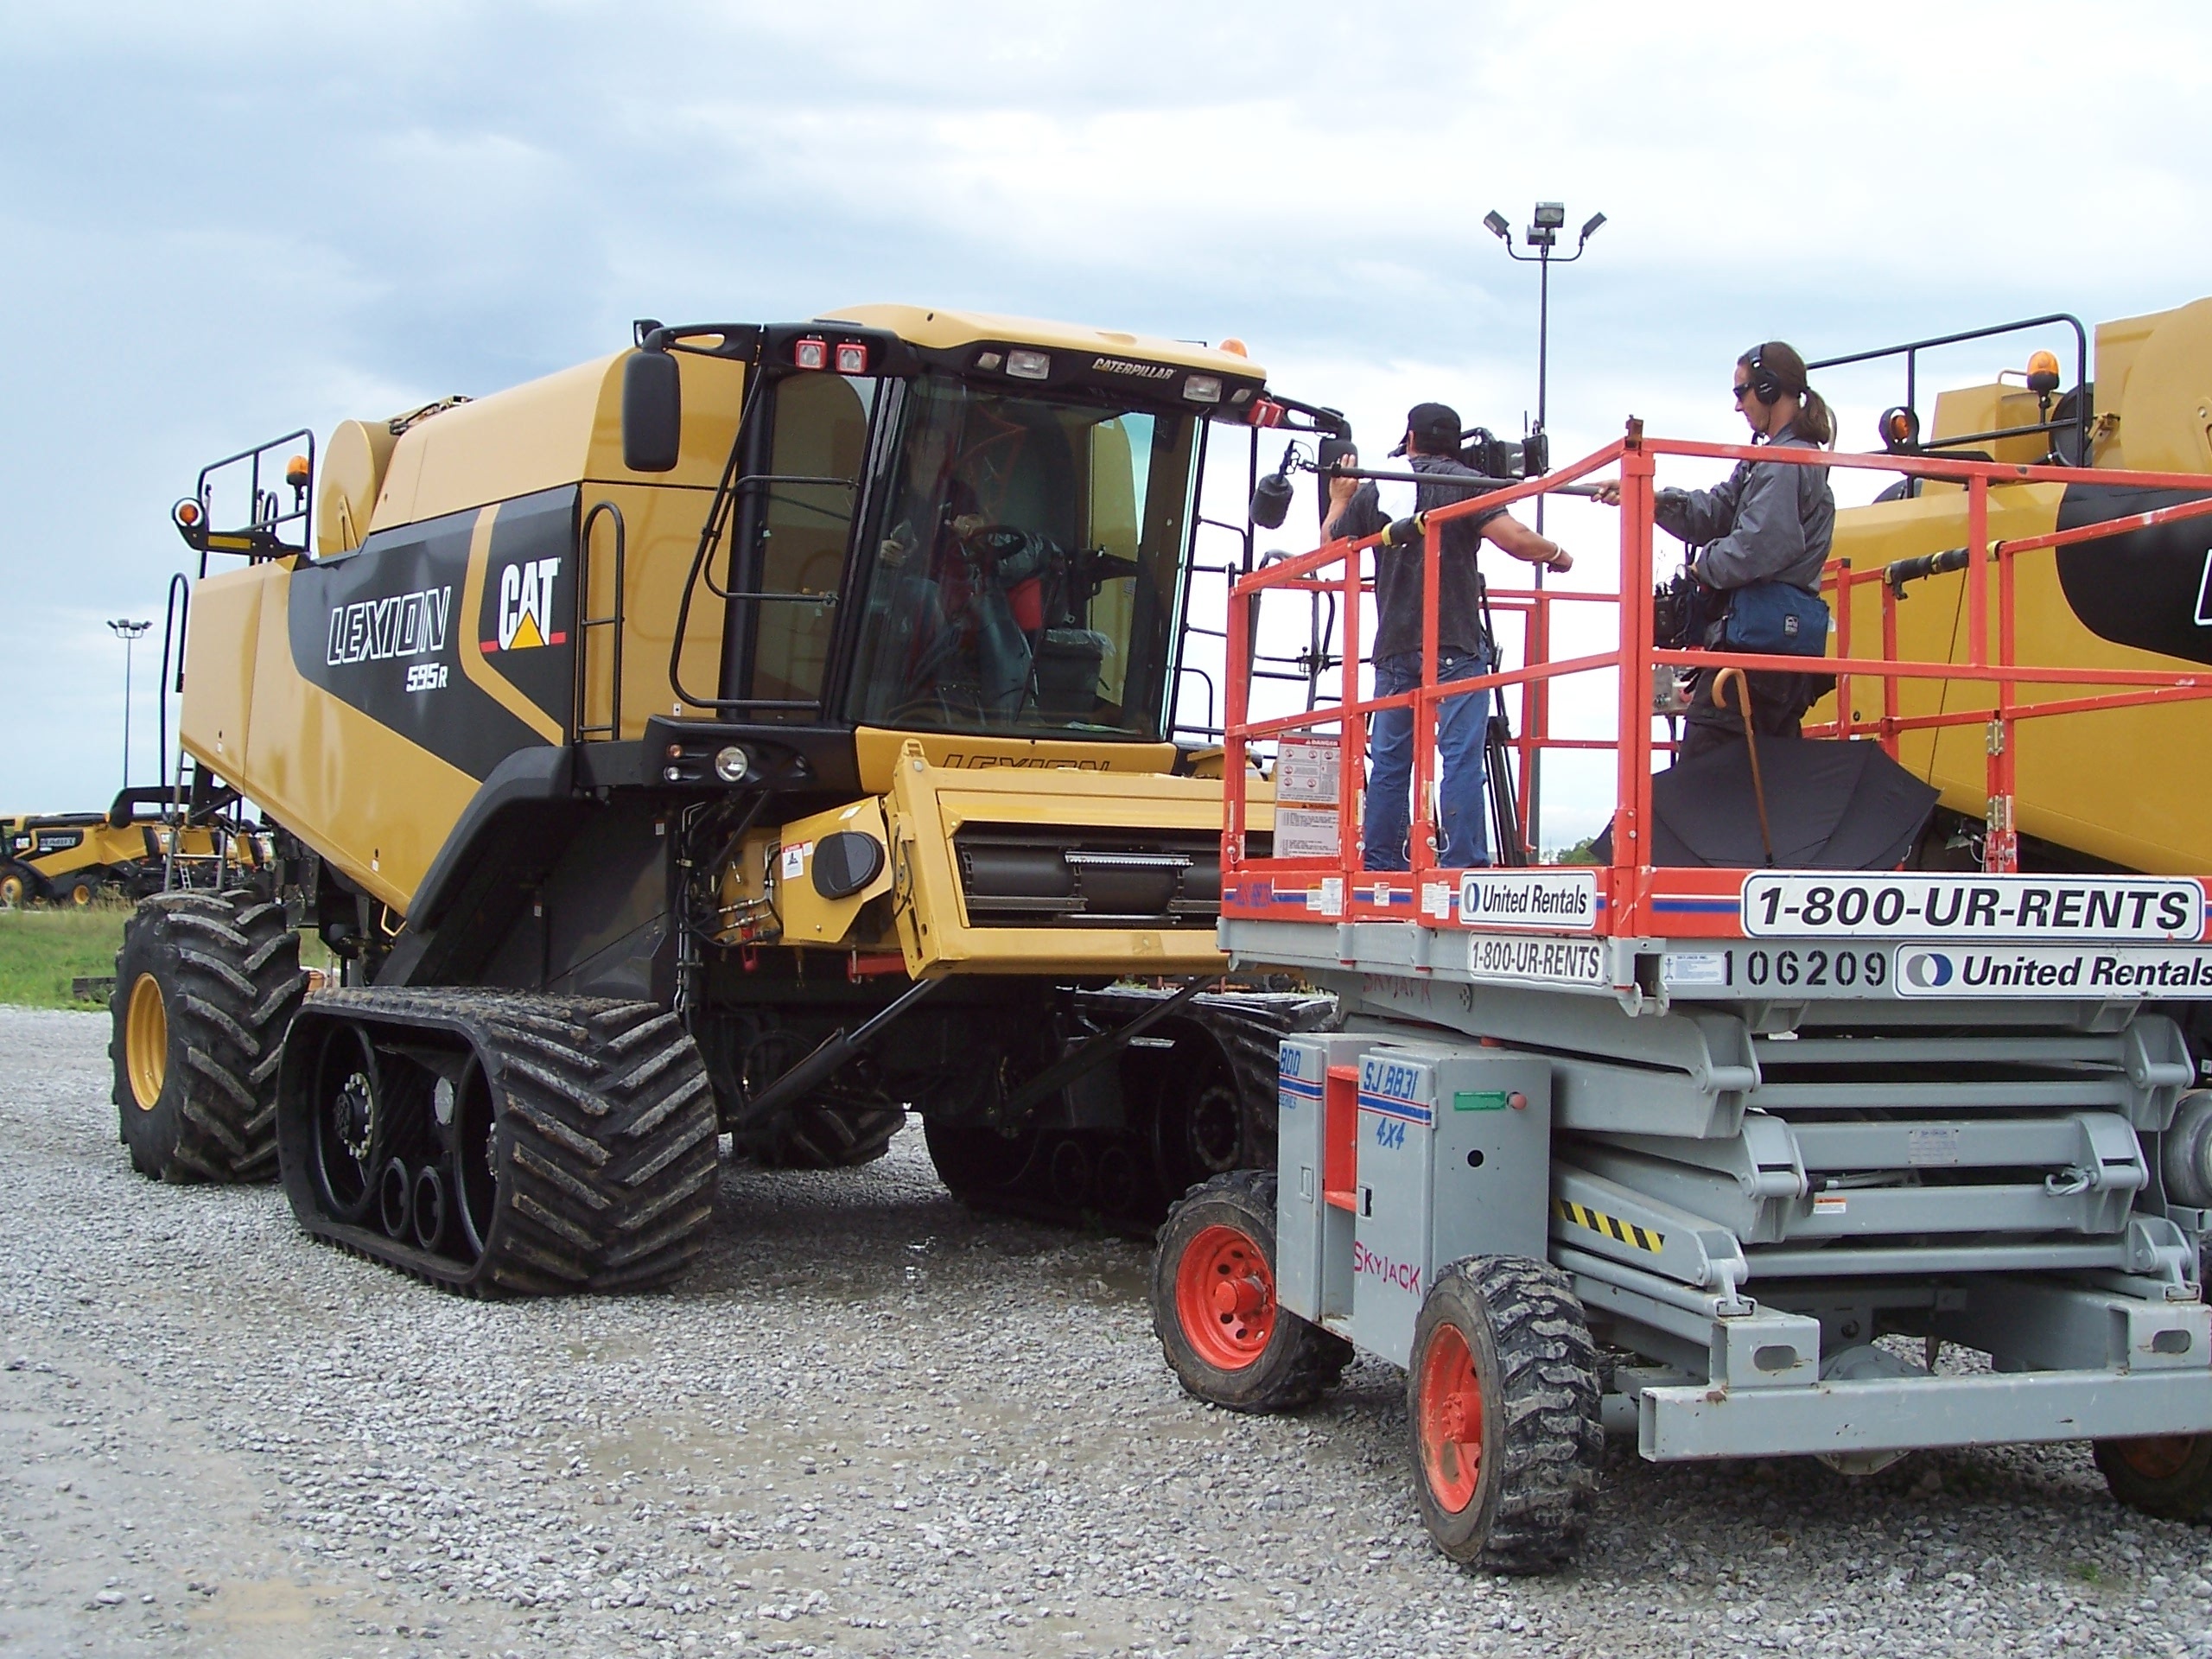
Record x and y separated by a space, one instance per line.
2160 1457
1225 1297
1450 1420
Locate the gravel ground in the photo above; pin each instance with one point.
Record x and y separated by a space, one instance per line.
868 1423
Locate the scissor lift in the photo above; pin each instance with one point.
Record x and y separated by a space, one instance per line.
1683 1153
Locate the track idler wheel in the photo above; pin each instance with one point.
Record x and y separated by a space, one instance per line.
499 1143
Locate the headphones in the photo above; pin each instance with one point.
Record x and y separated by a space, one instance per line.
1766 384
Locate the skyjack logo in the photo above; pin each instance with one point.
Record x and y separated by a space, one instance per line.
377 630
526 607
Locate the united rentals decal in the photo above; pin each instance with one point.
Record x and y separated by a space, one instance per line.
378 630
526 618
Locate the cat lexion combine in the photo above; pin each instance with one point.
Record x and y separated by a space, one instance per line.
763 730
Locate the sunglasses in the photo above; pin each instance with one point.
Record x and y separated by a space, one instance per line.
1743 391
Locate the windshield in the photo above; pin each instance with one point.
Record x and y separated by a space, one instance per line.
1025 576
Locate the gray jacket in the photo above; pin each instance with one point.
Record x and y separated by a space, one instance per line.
1765 523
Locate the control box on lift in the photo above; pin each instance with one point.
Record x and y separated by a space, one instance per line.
1395 1157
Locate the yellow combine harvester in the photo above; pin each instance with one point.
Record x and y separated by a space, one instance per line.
766 729
134 847
2122 789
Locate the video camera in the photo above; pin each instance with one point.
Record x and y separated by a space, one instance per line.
1482 451
1680 608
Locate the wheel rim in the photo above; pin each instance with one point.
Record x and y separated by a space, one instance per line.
345 1128
80 895
2160 1457
1216 1129
11 890
1451 1420
1225 1297
146 1042
474 1199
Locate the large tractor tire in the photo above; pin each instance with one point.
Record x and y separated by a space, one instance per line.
19 885
1213 1303
205 985
1501 1401
2168 1476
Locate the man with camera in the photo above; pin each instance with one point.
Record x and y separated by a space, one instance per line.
1465 650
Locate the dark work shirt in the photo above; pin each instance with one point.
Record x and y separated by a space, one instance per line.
1765 522
1398 570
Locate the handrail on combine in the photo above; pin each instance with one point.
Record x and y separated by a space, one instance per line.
1629 888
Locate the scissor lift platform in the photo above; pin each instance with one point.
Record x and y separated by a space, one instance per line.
1724 1159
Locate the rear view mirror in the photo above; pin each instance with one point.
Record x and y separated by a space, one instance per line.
652 412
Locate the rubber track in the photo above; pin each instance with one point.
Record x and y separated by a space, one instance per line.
1321 1356
609 1138
239 984
1553 1441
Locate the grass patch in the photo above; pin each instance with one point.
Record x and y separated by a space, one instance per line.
41 950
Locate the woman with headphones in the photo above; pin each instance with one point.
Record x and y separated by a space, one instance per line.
1764 535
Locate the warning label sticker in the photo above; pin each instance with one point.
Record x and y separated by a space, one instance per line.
2050 970
1974 907
1307 770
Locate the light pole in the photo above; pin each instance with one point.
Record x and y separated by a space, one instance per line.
1543 236
1549 218
128 632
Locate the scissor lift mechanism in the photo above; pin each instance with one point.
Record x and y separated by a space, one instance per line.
1739 1124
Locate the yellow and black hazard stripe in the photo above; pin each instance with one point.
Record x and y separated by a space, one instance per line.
1579 1215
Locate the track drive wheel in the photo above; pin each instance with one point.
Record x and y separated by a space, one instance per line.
1501 1400
2169 1476
1214 1307
824 1135
205 985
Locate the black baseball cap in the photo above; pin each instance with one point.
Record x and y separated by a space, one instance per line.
1436 425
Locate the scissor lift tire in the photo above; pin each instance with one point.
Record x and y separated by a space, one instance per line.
2169 1476
1214 1308
1504 1368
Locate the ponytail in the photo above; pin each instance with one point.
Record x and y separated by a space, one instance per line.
1816 420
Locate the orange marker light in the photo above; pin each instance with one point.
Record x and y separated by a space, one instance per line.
296 472
2042 371
187 512
1233 346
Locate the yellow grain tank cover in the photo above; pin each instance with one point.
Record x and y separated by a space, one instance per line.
353 463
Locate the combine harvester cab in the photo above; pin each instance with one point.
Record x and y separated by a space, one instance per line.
766 730
1725 1151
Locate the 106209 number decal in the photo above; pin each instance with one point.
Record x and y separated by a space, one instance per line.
1815 968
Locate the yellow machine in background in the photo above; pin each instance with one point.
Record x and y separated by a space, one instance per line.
2124 787
766 729
127 852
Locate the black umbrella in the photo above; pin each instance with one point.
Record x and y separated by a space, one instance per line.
1829 806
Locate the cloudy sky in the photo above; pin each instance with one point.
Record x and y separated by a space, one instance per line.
220 221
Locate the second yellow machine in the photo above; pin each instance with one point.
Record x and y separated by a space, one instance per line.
763 730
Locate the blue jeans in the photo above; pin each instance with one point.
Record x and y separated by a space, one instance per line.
1462 725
